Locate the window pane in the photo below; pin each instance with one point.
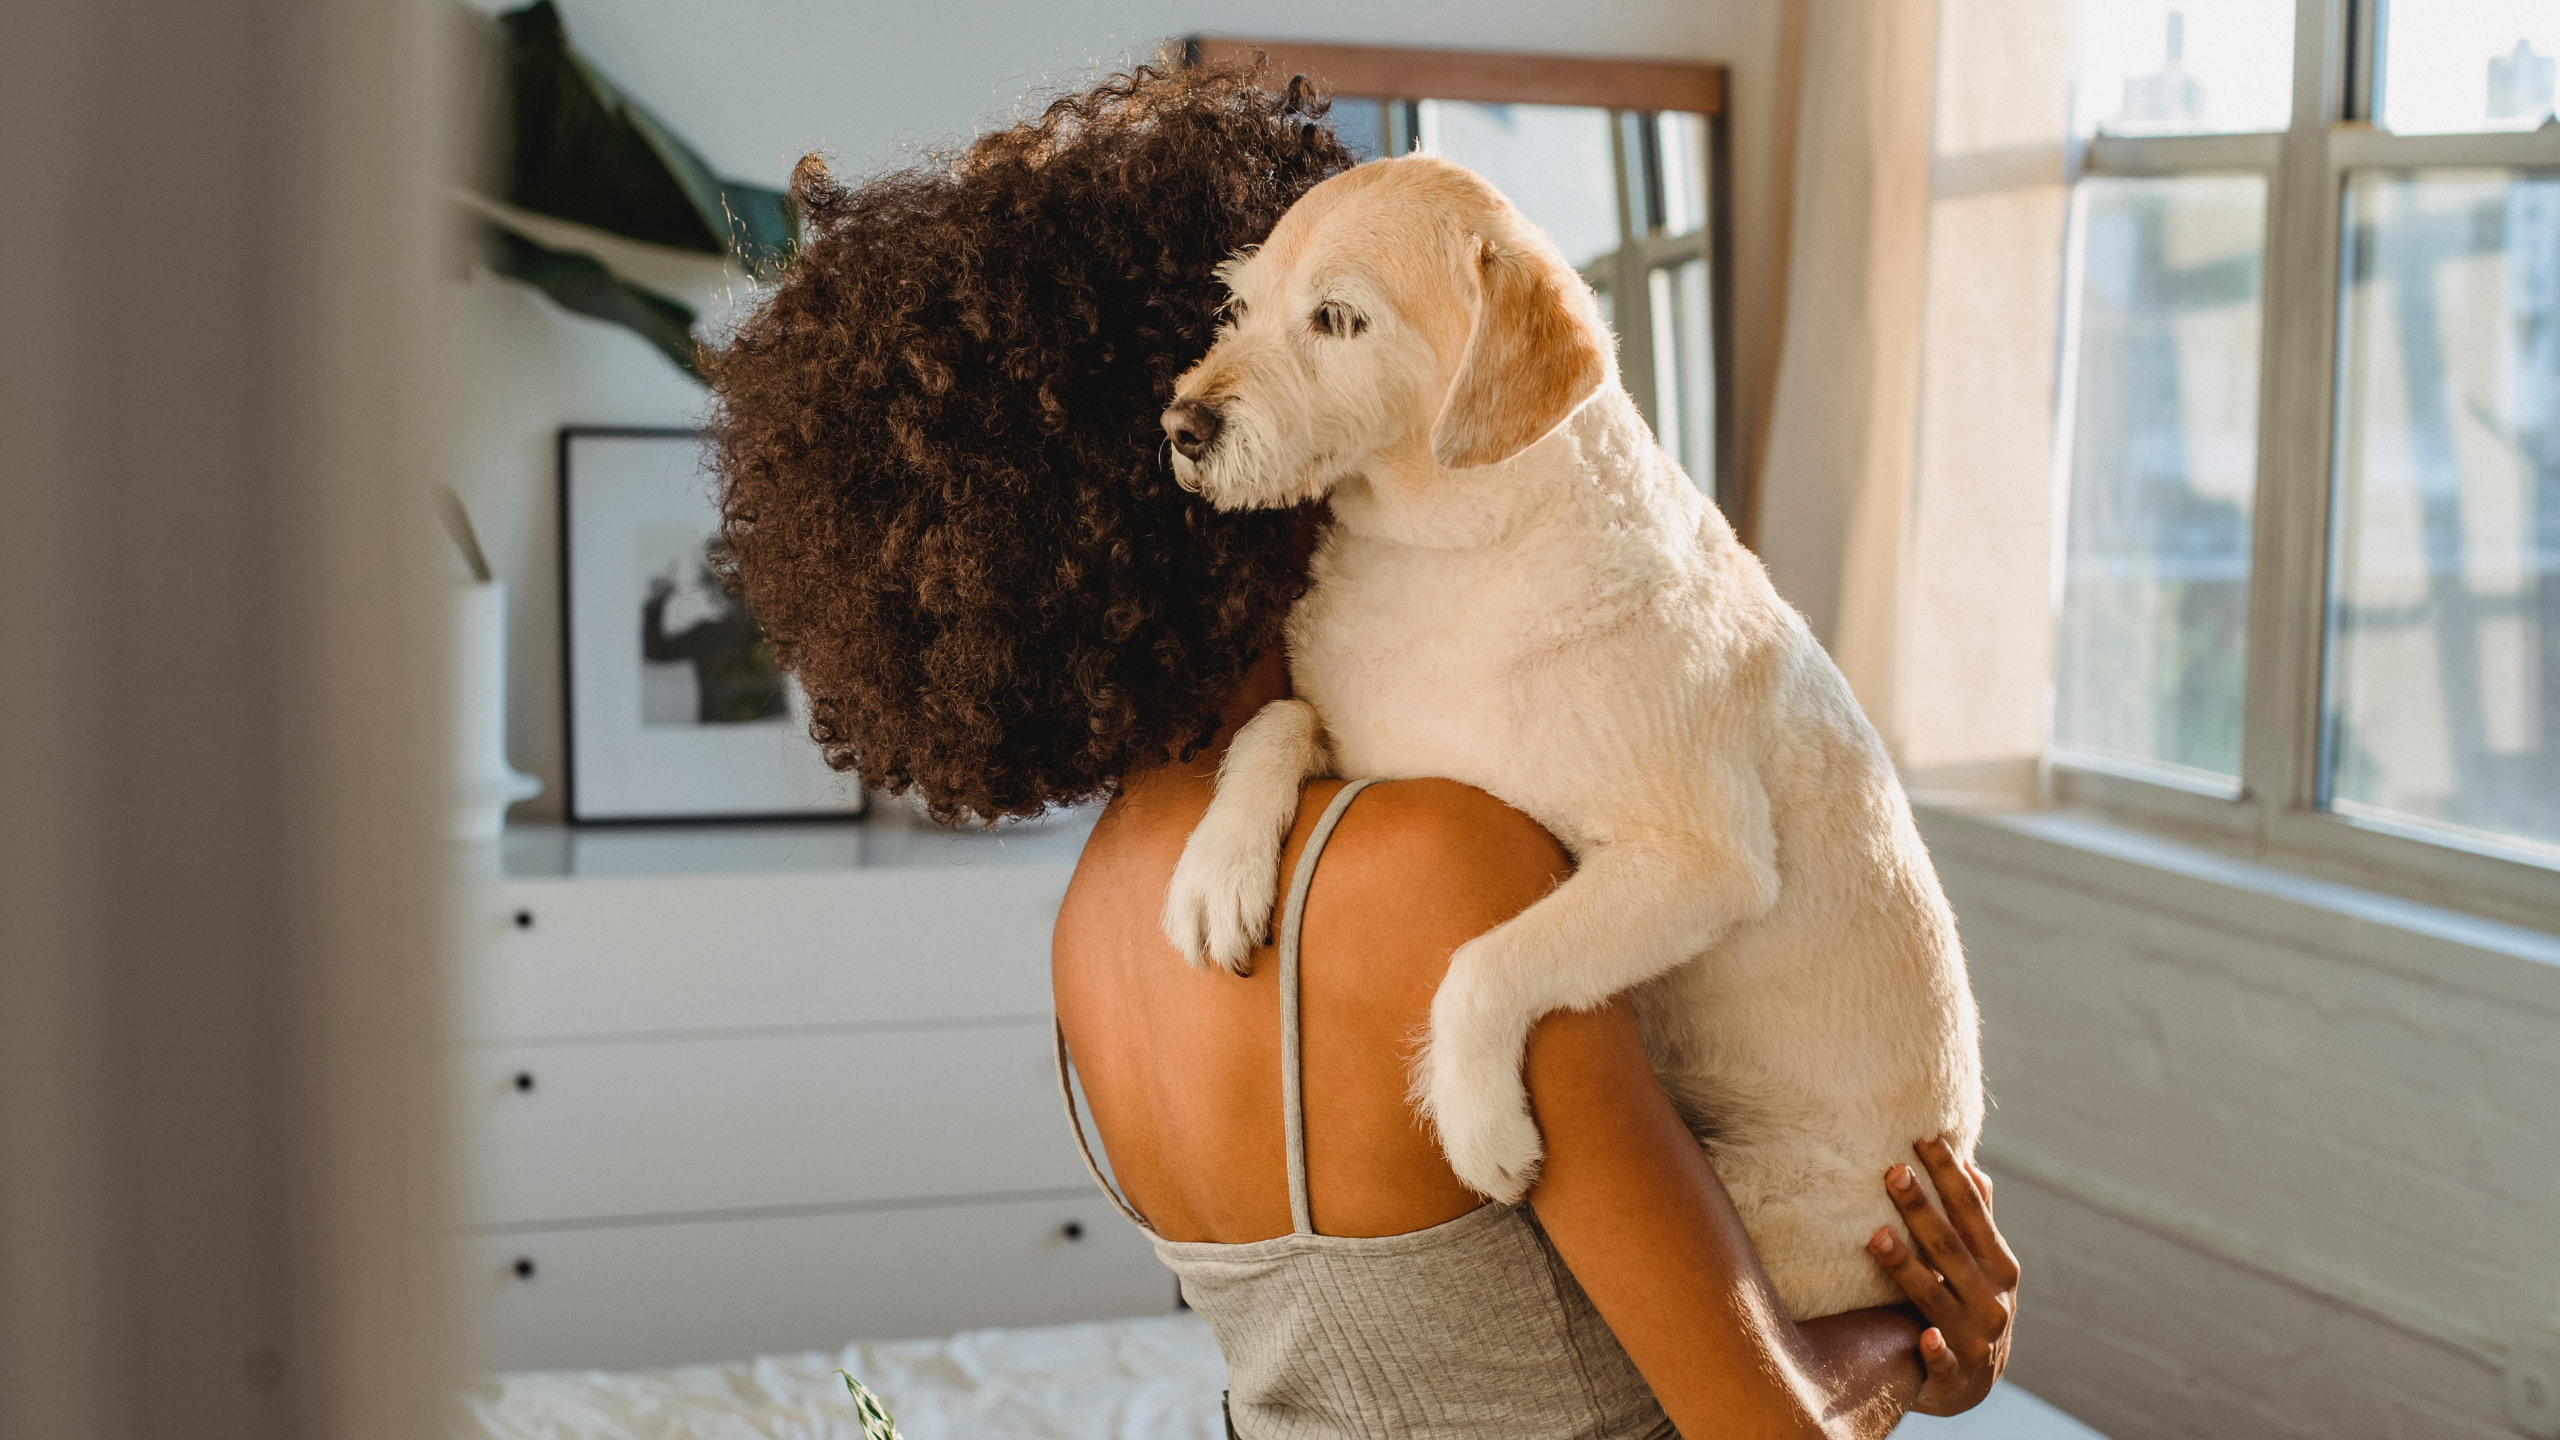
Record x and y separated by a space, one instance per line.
2444 649
1684 369
2141 67
2467 64
1362 124
1553 161
2163 463
1684 170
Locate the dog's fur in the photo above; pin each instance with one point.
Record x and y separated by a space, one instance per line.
1520 590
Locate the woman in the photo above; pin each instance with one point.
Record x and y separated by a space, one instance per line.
942 493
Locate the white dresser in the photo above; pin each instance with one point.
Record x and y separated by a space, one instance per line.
730 1091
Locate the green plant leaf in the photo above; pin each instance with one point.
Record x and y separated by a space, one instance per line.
867 1405
583 284
579 149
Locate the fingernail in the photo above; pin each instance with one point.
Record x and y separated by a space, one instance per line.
1899 1177
1934 1340
1881 1242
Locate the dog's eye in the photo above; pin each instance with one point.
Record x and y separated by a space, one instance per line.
1335 318
1235 312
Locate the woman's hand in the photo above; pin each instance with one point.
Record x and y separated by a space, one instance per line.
1964 1281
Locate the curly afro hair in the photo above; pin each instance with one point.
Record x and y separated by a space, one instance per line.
943 488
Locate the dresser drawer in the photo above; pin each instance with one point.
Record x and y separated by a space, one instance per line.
573 957
628 1296
628 1128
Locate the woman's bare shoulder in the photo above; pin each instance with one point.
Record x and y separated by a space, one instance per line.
1453 827
1427 865
1413 870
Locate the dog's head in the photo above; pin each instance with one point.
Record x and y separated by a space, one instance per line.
1402 320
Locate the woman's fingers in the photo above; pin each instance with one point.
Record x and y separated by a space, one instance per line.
1947 1386
1940 1360
1968 1207
1956 1270
1999 1263
1938 1241
1935 1301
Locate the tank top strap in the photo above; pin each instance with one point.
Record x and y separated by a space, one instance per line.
1293 915
1084 1147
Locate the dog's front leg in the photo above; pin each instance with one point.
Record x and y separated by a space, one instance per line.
1633 910
1219 905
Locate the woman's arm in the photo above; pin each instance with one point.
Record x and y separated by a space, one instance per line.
1633 1206
1419 868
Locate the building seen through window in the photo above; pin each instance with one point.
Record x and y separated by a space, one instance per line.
2444 667
2447 66
2163 470
2147 68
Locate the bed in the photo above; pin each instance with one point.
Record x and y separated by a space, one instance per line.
1151 1378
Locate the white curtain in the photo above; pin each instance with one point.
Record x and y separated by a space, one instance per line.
1906 498
1835 480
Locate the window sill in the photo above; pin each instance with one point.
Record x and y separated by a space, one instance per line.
2430 944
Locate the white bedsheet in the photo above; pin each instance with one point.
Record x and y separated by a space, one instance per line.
1155 1378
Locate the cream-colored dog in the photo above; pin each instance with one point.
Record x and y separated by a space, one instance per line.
1520 590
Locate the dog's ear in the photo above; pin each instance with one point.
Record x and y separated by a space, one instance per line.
1531 360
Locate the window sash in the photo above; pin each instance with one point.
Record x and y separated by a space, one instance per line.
2277 813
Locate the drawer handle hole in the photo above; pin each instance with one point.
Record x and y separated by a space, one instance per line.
1073 1230
524 1082
524 1267
524 919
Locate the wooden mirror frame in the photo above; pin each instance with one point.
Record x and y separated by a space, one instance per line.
1395 74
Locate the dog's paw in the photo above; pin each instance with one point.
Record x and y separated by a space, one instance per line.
1218 907
1474 1095
1488 1136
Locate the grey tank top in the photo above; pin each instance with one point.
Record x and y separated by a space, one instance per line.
1470 1329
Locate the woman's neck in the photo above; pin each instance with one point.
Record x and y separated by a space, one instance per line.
1267 680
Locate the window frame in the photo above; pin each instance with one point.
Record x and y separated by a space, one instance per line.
2277 813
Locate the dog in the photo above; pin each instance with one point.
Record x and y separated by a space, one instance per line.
1520 590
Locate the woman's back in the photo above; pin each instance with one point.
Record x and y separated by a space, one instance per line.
1182 1066
1436 1316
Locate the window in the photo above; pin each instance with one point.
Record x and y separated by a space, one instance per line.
2310 439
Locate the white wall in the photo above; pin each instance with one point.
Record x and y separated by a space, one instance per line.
2279 1156
754 86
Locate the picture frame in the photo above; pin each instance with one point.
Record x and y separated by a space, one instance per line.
672 708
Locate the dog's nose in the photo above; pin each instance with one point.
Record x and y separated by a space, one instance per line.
1194 429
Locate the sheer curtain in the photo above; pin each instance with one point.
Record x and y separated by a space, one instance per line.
1834 483
1906 499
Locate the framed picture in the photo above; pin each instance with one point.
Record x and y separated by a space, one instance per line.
675 710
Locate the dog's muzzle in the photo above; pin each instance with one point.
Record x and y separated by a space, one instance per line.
1194 428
